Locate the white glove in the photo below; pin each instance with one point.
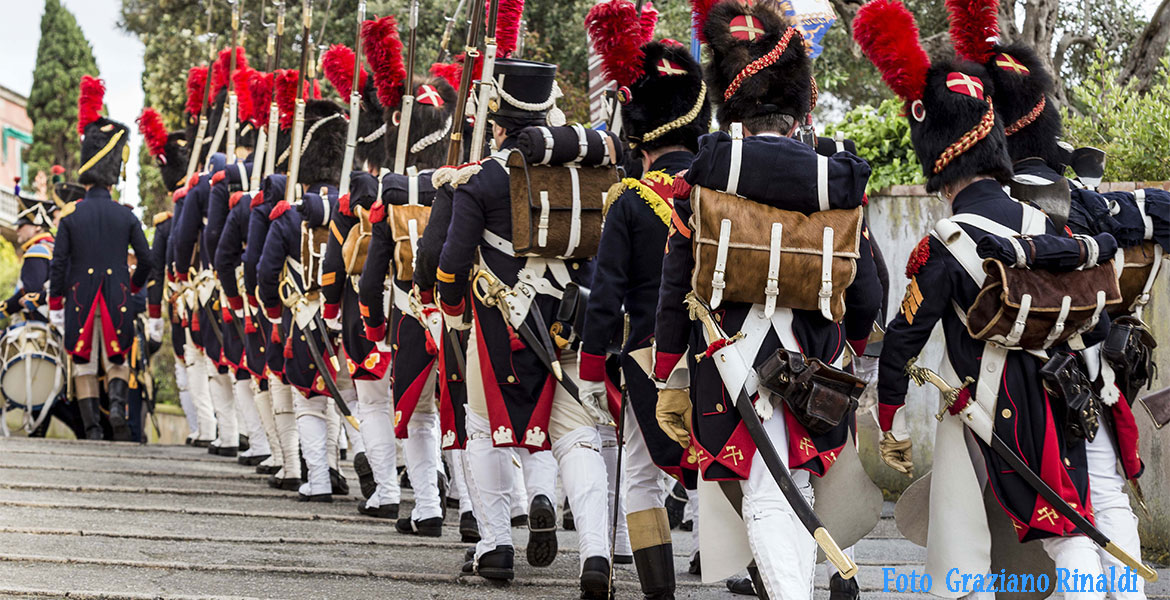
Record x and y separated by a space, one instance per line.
334 324
595 400
382 346
154 329
57 319
455 322
238 313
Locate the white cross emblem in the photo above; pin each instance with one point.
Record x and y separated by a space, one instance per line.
957 81
667 68
744 27
429 95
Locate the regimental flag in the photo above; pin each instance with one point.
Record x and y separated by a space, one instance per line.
812 18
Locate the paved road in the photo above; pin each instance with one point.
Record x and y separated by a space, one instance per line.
105 520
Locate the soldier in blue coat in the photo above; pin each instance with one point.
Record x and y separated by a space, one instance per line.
513 399
90 284
33 226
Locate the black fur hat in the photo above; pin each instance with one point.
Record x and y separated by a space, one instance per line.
759 66
324 143
103 151
668 105
370 121
175 167
431 121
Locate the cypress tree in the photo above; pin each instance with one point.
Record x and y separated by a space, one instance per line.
63 56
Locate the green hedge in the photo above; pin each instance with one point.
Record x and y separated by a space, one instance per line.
882 136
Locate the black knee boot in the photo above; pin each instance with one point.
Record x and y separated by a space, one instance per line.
91 417
119 391
656 571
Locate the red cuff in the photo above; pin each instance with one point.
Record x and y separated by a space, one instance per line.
170 275
273 312
331 311
249 325
180 277
455 310
886 415
218 177
235 302
591 367
253 301
664 363
227 314
376 334
154 311
426 296
56 303
859 346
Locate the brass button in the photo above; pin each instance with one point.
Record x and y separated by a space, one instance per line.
394 347
452 378
1067 463
91 270
123 309
109 271
76 309
302 338
511 379
718 408
576 266
262 348
1007 413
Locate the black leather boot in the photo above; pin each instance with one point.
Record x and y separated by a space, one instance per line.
843 589
426 528
542 528
656 571
468 528
595 578
757 581
90 417
495 564
118 391
340 485
365 473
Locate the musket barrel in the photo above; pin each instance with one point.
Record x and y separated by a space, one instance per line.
407 112
298 132
355 102
455 149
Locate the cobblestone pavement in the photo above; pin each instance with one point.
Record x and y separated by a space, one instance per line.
105 520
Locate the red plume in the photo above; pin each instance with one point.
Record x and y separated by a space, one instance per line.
888 35
260 89
507 25
219 71
700 9
89 102
196 80
973 24
286 96
649 22
150 125
384 54
338 66
242 79
452 72
617 33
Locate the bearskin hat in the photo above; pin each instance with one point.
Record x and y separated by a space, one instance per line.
104 142
324 143
949 105
661 84
338 64
431 121
759 66
1023 85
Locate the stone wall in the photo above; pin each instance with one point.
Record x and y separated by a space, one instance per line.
898 219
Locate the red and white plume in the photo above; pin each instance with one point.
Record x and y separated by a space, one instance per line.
338 66
507 25
974 28
286 95
384 55
700 9
89 102
242 80
151 126
196 80
888 35
219 71
617 35
260 88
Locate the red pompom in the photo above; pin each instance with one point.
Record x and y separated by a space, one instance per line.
242 80
507 25
196 80
384 54
452 72
234 199
286 96
219 71
343 205
151 126
700 9
89 102
919 257
377 212
280 208
649 22
257 200
616 33
260 88
338 66
58 170
888 35
974 23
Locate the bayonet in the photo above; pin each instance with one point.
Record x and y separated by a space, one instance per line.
232 99
258 160
486 83
444 54
470 53
201 129
407 110
273 127
355 104
298 131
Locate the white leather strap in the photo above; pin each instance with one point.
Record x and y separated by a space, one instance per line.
1017 330
962 247
839 140
542 222
498 242
825 296
546 133
717 278
985 224
823 182
1139 196
1032 222
412 187
582 142
1058 327
1088 326
1021 257
1092 251
772 290
245 182
575 221
1139 303
736 158
412 230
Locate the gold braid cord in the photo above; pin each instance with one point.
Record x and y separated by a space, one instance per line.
1029 118
681 121
968 140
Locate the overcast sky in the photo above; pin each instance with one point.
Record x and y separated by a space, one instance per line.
119 58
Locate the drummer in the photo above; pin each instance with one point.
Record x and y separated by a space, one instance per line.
36 248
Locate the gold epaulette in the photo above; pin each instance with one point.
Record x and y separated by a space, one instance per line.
68 209
160 218
611 196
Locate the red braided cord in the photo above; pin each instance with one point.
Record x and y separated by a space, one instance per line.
968 140
759 64
1029 118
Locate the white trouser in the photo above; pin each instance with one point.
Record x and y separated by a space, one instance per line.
223 399
262 400
520 497
691 513
610 452
378 438
489 473
197 382
1075 552
333 440
784 551
250 417
421 449
355 443
458 487
583 475
642 486
185 401
285 417
540 476
313 426
1114 516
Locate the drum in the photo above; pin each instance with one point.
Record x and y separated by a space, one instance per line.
32 372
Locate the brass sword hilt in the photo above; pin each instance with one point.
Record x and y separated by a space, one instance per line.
923 376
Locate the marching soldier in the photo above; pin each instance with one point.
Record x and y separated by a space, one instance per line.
507 380
90 284
961 143
1032 122
664 114
760 79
